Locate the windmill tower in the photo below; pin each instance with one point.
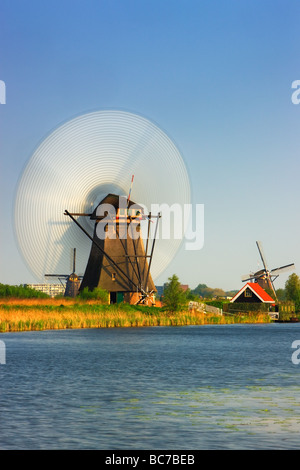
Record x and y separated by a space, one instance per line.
118 261
264 277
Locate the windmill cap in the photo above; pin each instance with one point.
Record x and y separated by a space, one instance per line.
116 202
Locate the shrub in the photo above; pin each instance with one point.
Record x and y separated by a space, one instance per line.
174 296
96 294
215 303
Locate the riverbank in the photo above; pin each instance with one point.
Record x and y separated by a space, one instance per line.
51 314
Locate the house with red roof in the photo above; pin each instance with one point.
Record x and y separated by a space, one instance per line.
252 292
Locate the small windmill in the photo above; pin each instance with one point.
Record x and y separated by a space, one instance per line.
265 277
72 280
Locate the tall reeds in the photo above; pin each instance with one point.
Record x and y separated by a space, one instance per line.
45 314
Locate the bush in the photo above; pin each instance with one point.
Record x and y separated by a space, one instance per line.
215 303
96 294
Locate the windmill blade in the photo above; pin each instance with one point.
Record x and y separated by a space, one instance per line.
247 277
273 287
282 269
259 246
56 275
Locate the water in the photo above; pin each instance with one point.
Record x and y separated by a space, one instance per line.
198 387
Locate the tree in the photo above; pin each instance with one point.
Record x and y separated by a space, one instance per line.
208 292
280 294
191 296
292 289
200 290
174 296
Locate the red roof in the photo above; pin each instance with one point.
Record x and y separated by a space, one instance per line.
257 290
184 287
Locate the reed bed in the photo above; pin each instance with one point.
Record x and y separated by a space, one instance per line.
55 302
51 314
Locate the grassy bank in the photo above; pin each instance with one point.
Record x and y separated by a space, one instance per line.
49 314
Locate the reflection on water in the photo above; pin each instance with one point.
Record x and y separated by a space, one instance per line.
206 387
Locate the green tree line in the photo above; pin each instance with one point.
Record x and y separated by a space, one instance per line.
291 291
20 291
202 290
174 297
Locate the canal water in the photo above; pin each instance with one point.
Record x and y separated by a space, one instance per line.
194 387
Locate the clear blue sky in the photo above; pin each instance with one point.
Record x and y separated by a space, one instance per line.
215 75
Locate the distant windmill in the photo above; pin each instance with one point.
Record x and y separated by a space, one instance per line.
264 277
73 281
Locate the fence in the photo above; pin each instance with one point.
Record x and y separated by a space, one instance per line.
215 310
200 307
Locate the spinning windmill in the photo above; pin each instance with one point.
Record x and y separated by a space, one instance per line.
264 277
87 161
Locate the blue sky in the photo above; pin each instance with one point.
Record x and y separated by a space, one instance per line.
215 75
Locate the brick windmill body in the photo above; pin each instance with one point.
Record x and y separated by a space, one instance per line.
118 261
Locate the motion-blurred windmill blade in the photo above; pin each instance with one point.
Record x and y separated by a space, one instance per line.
110 148
259 246
282 269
